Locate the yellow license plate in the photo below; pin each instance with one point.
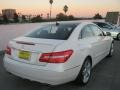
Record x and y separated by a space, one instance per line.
24 55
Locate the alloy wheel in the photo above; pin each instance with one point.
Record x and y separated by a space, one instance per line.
86 71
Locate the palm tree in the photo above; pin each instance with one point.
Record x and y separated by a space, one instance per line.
65 9
51 2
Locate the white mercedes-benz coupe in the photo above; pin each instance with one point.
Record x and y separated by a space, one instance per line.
57 53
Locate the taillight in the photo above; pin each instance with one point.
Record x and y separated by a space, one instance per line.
56 57
8 50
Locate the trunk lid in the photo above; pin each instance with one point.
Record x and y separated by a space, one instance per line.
31 49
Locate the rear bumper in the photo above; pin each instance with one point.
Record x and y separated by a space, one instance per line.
33 73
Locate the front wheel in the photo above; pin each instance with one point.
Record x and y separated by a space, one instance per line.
85 73
118 36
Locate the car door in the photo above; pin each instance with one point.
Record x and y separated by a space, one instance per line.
101 40
90 43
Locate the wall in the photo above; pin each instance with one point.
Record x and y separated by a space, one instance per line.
8 32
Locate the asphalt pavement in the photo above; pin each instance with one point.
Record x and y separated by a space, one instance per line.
105 76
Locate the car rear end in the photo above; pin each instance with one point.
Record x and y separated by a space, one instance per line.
36 59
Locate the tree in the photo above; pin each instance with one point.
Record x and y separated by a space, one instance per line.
23 18
48 15
38 18
70 17
61 17
51 2
15 18
1 22
41 15
5 19
65 9
29 17
97 16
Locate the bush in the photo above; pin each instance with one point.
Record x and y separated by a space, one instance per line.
63 17
37 19
97 16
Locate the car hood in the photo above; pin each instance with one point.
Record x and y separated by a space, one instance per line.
112 30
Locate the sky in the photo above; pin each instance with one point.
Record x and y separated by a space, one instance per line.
78 8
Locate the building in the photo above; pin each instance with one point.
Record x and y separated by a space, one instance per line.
9 13
113 17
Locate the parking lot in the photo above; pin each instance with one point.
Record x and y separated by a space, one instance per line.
105 76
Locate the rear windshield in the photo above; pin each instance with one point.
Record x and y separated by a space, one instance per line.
61 31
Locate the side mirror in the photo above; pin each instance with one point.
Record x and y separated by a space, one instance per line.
108 33
103 33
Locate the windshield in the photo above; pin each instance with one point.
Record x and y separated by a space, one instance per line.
118 28
61 31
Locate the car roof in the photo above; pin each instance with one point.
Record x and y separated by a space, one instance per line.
62 22
99 22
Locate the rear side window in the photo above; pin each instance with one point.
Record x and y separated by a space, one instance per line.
96 30
86 32
60 32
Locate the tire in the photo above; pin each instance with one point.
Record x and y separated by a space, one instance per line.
118 36
85 73
111 50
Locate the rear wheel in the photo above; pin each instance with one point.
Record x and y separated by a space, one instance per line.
118 36
85 73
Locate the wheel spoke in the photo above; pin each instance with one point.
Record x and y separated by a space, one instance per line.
86 71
